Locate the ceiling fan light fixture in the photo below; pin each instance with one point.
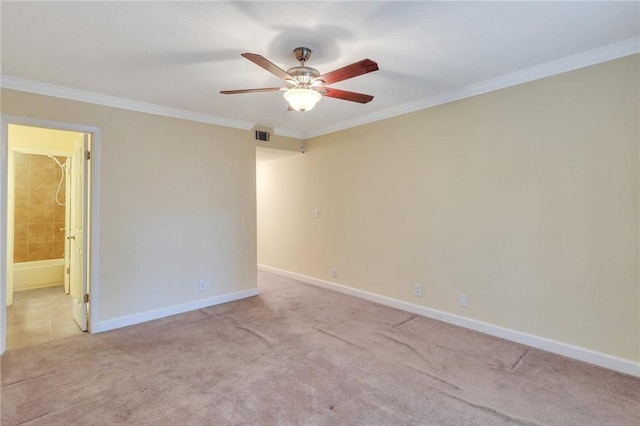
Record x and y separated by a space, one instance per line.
302 99
305 86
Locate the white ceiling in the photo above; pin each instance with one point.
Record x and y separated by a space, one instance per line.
179 55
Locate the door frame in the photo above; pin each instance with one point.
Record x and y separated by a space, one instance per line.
93 205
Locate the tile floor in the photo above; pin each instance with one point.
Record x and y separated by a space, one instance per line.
39 316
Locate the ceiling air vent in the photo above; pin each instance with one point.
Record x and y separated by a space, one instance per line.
261 135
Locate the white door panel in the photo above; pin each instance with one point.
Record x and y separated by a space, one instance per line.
77 235
67 225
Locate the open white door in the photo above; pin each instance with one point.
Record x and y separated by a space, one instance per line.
77 235
67 226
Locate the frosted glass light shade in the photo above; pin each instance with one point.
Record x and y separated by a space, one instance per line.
302 99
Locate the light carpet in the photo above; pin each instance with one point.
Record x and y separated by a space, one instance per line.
300 355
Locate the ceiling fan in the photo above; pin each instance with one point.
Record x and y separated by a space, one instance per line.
305 86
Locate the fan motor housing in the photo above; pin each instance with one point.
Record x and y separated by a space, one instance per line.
303 74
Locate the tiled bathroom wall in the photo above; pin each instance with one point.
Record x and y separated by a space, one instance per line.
39 220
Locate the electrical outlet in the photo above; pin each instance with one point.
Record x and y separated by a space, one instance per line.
202 285
417 290
334 272
464 300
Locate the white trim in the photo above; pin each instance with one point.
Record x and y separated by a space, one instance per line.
289 133
46 89
4 175
127 320
565 349
580 60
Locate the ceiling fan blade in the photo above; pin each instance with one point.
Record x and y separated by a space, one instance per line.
348 96
350 71
264 89
267 65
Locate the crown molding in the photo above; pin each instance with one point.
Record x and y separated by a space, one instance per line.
280 131
46 89
580 60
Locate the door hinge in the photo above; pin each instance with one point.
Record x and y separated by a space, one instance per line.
68 271
86 298
87 155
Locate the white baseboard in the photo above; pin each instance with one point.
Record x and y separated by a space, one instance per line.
565 349
127 320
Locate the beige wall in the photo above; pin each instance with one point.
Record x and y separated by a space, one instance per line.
177 204
524 199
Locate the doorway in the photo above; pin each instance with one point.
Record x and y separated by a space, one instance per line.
47 199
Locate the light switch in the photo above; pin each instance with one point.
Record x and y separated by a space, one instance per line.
315 213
